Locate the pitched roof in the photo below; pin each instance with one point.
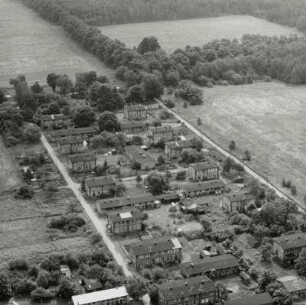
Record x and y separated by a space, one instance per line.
82 157
100 181
161 129
139 154
72 131
186 287
295 240
179 144
154 245
204 165
98 296
213 184
131 107
211 263
70 140
257 299
53 117
240 197
125 215
293 283
131 124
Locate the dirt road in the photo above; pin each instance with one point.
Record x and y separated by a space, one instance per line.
100 224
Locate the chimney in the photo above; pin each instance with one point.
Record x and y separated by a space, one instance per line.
186 283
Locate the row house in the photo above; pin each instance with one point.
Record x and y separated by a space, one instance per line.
175 149
237 202
288 247
256 299
53 121
98 186
193 291
136 154
214 267
213 187
135 112
161 250
82 163
132 127
114 296
126 221
203 171
294 285
71 145
162 133
84 133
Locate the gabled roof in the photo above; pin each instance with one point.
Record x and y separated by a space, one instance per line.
290 241
186 287
206 185
72 131
70 140
161 129
125 215
100 181
179 144
132 124
154 245
204 165
240 197
131 107
211 263
82 157
256 299
293 283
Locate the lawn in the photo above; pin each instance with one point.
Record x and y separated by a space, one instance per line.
195 32
268 119
34 47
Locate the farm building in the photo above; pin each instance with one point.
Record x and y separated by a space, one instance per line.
71 145
294 285
132 127
200 289
53 121
237 202
125 221
203 188
82 163
256 299
161 250
99 186
162 133
85 133
175 149
203 171
137 155
135 112
213 267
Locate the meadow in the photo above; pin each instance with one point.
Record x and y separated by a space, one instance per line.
194 32
268 119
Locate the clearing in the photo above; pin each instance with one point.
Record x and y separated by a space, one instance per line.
35 47
268 119
195 32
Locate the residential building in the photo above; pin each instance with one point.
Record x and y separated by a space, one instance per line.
162 133
53 121
288 247
175 149
237 202
213 267
197 290
256 299
91 285
126 221
82 163
135 112
71 145
161 250
294 285
99 186
203 188
132 127
203 171
136 154
114 296
65 271
85 133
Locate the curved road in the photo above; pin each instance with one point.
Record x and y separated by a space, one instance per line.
227 154
100 224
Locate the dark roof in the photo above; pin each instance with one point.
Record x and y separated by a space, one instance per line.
161 129
70 140
169 196
82 157
211 263
204 165
296 240
53 117
257 299
100 181
186 287
140 155
131 124
72 131
240 197
125 215
213 184
179 144
130 107
154 245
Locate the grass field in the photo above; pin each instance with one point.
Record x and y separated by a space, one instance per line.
195 32
268 119
34 47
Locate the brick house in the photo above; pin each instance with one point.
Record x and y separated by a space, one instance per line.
194 291
256 299
237 202
82 163
84 133
203 171
136 154
112 296
214 267
288 247
175 149
203 188
132 127
125 221
53 121
161 250
71 145
162 133
99 186
135 112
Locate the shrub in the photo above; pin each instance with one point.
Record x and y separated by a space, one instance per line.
40 294
95 239
24 286
173 209
24 192
67 223
18 264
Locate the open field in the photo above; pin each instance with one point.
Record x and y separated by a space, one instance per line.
268 119
34 47
195 32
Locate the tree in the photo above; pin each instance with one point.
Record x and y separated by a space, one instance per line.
64 83
138 178
135 95
24 192
43 279
157 183
181 175
266 252
40 294
282 297
84 117
136 288
36 88
66 289
232 145
266 278
172 78
137 140
119 189
161 160
108 121
31 134
52 80
293 190
54 108
151 86
199 121
2 97
227 165
247 155
5 286
72 261
148 44
300 265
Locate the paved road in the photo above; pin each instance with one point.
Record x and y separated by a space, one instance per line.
227 154
100 224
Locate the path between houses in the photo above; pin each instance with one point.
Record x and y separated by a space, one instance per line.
100 224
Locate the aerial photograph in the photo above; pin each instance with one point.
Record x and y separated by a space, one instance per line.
153 152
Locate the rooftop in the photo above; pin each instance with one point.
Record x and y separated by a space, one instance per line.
72 131
100 181
161 129
179 144
131 107
131 124
293 283
49 117
70 140
256 299
139 154
98 296
295 240
125 215
204 165
213 184
82 157
240 197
